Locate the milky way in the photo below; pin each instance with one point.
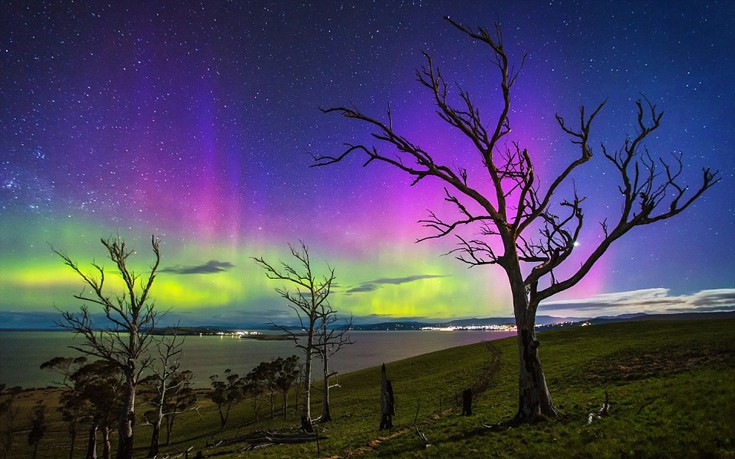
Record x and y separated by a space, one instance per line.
198 122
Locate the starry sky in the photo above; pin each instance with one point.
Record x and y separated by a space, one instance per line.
197 122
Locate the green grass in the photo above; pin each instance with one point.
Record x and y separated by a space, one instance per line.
671 384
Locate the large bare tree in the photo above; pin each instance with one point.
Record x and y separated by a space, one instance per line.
309 301
130 319
516 223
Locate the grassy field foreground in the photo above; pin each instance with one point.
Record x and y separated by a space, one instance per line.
671 385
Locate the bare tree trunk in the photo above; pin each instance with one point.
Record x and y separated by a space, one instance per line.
155 436
256 409
92 442
72 442
106 443
466 402
127 421
296 399
306 403
326 415
534 398
169 428
127 418
387 401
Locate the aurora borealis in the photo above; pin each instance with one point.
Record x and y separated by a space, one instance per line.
197 121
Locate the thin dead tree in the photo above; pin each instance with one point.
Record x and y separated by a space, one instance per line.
519 225
331 340
307 301
131 319
162 383
181 397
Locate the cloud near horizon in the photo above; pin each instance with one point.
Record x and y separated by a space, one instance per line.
210 267
650 301
372 285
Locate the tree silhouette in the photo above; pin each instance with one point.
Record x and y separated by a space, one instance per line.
8 416
263 377
272 377
254 385
520 225
38 426
98 388
132 317
72 403
226 393
309 301
286 376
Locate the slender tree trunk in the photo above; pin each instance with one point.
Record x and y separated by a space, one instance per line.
306 407
156 435
387 401
153 449
127 420
127 415
106 443
223 415
296 398
326 415
169 428
285 404
73 435
92 442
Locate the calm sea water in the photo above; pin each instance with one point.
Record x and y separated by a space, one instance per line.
21 352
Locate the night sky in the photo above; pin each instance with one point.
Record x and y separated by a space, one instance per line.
197 123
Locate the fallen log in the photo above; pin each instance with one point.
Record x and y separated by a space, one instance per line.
263 438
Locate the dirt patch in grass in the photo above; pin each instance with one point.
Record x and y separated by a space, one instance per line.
372 444
659 362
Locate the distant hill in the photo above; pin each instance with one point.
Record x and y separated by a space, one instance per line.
46 321
678 316
459 323
546 322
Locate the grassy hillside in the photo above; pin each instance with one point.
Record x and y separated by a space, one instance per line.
671 385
